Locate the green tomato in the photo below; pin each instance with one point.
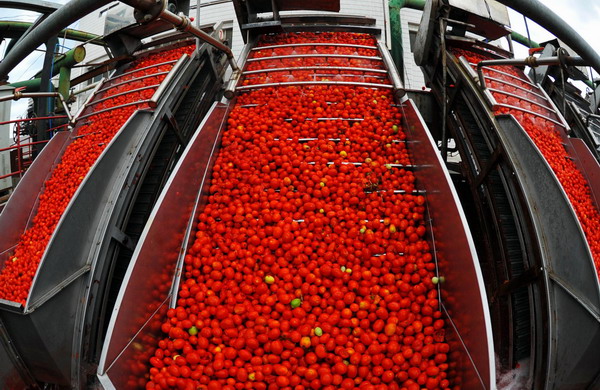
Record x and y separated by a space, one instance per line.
296 303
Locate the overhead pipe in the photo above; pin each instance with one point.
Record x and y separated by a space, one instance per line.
523 40
546 18
51 26
68 33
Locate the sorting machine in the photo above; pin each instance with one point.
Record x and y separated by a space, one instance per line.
520 284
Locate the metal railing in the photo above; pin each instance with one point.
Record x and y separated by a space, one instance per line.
25 149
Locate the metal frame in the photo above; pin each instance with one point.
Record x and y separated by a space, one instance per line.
353 57
350 68
291 83
258 48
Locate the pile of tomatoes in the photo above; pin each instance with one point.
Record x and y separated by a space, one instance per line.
310 268
545 135
92 138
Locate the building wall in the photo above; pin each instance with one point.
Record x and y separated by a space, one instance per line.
413 76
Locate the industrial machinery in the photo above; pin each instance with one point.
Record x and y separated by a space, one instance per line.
190 211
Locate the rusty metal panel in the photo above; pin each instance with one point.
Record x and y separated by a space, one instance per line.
147 284
463 291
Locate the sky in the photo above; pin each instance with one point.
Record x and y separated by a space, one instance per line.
582 15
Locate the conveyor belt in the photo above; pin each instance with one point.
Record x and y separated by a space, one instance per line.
56 331
513 194
135 327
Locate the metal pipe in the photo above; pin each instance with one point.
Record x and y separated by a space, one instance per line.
546 18
23 145
183 23
523 40
232 85
75 35
32 95
388 61
31 84
41 118
51 26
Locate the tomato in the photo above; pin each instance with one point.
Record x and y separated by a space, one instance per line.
545 134
93 135
306 271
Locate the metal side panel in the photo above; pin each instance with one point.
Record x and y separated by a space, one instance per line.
574 293
12 369
43 339
463 292
147 284
19 210
67 253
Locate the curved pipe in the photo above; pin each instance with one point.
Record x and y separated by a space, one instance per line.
52 25
546 18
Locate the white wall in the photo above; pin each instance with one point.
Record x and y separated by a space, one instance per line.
413 76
